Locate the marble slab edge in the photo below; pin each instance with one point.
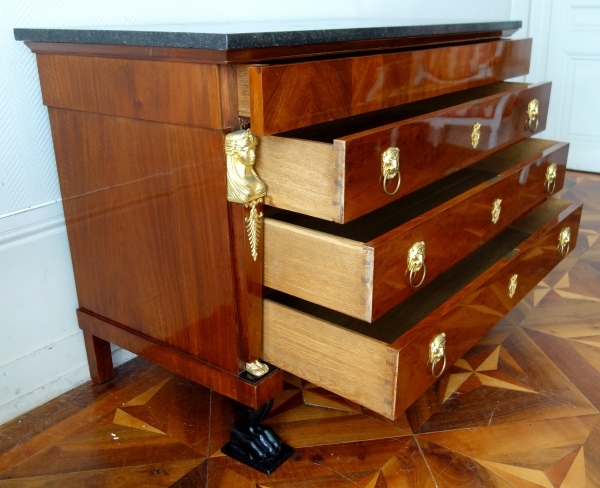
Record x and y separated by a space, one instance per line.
223 41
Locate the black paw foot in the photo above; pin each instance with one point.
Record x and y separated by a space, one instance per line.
253 444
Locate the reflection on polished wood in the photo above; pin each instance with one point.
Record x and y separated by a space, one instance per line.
521 409
336 88
434 133
360 268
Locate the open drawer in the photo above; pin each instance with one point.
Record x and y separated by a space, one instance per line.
363 269
336 171
284 96
386 365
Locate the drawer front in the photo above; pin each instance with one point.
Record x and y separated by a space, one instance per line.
470 314
454 230
342 180
388 376
288 96
365 280
432 146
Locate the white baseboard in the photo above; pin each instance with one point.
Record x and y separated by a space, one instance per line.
41 376
42 353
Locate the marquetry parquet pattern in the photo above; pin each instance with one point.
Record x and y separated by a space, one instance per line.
520 409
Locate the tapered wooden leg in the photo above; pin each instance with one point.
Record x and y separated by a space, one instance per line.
99 358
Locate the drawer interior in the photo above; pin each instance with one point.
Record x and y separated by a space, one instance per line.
395 214
411 311
329 131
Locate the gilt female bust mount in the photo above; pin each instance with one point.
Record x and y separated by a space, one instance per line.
243 184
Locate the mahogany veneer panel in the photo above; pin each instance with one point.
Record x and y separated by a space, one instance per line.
287 96
333 171
252 394
148 249
162 91
330 349
99 358
359 268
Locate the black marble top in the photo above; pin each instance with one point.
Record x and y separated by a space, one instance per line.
224 36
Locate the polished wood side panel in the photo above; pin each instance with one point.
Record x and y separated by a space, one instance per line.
302 176
360 368
99 358
319 267
147 221
228 97
161 91
337 88
256 54
455 229
230 385
249 281
434 145
467 316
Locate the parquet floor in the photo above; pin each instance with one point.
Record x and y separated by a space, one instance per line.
518 410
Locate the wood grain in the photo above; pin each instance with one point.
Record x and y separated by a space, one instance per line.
467 316
462 225
330 356
249 281
99 358
520 404
433 136
463 303
318 267
230 385
310 258
336 88
160 91
148 229
228 98
302 176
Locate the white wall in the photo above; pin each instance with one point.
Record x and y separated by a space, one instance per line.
41 348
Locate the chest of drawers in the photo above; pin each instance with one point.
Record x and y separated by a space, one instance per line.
355 206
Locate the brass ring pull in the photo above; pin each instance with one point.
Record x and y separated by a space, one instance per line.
413 274
414 262
550 183
437 352
533 110
386 178
434 364
390 168
564 239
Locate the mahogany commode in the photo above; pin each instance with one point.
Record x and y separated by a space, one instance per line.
357 205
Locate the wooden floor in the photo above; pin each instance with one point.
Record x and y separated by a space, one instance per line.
518 410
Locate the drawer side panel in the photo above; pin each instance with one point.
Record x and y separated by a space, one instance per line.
351 365
302 176
288 249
